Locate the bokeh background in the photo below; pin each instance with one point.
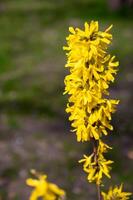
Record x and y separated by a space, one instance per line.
34 128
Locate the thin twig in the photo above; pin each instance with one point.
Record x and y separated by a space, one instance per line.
95 146
98 192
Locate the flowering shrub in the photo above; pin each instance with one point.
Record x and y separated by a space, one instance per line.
92 70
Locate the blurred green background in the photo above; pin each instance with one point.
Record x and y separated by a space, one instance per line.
34 128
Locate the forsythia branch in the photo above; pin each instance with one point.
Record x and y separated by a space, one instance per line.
92 70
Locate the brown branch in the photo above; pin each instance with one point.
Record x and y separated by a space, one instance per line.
95 147
99 192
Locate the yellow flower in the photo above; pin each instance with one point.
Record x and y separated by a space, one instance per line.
96 165
44 189
91 71
116 193
102 147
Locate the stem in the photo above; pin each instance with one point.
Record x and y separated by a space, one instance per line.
95 146
98 192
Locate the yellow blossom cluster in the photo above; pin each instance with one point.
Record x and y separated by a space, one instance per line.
116 193
44 189
91 71
96 165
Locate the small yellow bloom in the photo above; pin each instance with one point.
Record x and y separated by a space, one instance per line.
95 166
102 147
116 193
44 189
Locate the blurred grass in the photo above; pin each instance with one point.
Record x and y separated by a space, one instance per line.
31 56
